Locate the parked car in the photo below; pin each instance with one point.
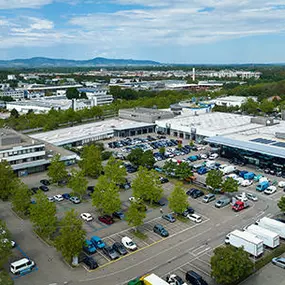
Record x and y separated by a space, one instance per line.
194 278
98 243
128 243
241 197
161 202
197 193
213 156
209 197
110 252
119 215
58 197
174 279
106 219
281 184
188 211
251 196
74 200
34 190
195 218
246 183
88 247
45 182
270 190
118 247
163 180
279 261
51 199
90 262
159 229
169 218
44 188
86 217
66 196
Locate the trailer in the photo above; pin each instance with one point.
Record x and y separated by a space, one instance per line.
272 225
269 238
250 243
153 279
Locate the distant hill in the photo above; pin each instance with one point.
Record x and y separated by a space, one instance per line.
37 62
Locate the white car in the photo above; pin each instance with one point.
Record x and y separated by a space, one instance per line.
233 176
241 197
132 199
262 179
281 184
270 190
246 183
195 218
251 197
128 243
58 197
86 217
51 199
203 156
239 180
213 156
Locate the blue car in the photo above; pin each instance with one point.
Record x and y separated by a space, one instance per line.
202 170
66 196
98 243
89 247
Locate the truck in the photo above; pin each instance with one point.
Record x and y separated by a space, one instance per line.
250 243
240 205
249 175
270 239
262 186
272 225
149 279
228 169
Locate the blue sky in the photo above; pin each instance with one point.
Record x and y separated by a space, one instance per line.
170 31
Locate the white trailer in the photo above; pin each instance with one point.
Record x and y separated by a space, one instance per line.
272 225
153 279
250 243
269 238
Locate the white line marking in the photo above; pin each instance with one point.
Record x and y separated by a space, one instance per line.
199 269
199 253
103 255
207 263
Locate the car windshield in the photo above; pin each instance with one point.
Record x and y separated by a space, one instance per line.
130 243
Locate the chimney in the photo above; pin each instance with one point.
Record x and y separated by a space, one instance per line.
193 74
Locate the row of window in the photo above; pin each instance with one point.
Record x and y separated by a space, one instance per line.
22 151
29 159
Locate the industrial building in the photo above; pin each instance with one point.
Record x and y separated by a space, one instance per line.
83 134
27 155
231 101
99 95
145 114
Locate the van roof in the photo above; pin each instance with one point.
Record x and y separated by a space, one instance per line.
19 262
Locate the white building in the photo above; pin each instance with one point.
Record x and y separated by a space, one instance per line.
231 101
99 95
4 86
15 94
11 77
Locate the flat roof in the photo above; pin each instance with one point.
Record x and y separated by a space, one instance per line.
86 131
248 145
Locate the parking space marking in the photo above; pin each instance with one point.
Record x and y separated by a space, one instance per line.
204 250
199 269
203 261
103 255
149 236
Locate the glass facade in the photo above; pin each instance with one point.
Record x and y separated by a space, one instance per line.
254 158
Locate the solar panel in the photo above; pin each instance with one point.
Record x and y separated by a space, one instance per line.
264 141
280 144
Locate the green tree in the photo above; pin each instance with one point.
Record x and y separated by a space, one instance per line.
230 265
178 199
71 236
214 179
162 150
56 170
5 278
191 143
14 113
147 160
135 156
170 167
5 244
8 180
146 185
183 170
230 185
115 171
281 204
42 215
250 106
72 93
78 183
266 106
21 198
91 161
106 196
135 215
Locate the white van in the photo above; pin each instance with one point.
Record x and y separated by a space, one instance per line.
21 265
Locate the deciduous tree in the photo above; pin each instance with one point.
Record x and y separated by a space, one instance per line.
71 236
281 204
5 243
230 265
78 183
8 180
21 198
230 185
178 199
214 179
183 170
115 171
42 215
56 170
91 161
146 185
135 215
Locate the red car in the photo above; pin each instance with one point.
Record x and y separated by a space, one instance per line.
106 219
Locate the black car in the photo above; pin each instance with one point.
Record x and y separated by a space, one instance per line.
34 190
119 215
159 229
90 262
163 180
196 193
162 202
44 188
110 252
118 247
90 189
188 210
45 182
191 191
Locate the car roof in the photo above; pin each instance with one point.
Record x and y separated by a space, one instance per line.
195 215
96 238
126 238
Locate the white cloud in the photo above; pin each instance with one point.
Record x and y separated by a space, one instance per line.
13 4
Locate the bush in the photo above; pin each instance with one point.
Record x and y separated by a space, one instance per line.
5 279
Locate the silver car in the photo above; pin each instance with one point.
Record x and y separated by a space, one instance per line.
279 261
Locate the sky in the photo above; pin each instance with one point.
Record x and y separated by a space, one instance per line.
168 31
